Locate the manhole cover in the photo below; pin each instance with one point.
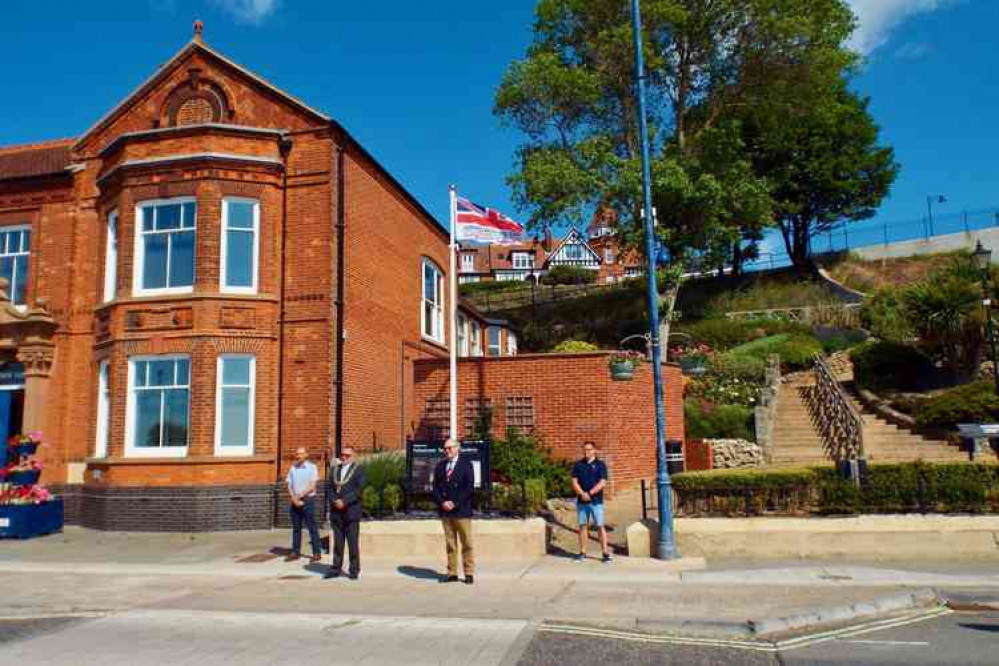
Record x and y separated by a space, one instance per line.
257 558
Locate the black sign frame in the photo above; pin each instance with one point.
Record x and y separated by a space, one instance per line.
422 457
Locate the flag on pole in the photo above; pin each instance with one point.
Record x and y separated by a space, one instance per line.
483 225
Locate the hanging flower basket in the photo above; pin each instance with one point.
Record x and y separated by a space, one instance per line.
622 365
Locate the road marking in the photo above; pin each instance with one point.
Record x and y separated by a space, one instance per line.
891 643
749 645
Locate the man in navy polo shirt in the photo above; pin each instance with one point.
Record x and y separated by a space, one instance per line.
589 476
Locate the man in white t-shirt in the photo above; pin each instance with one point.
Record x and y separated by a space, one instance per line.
302 479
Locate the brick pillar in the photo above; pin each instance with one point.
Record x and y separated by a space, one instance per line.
37 357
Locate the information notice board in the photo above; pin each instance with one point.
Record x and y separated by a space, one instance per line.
422 457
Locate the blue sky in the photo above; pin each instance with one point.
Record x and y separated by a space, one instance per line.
414 81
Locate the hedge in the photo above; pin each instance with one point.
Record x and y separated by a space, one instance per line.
717 421
881 365
971 403
889 488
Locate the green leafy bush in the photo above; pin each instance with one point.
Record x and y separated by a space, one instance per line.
574 346
730 379
971 403
569 275
392 497
796 350
889 365
492 286
371 502
383 469
743 478
885 316
520 457
708 421
720 334
534 490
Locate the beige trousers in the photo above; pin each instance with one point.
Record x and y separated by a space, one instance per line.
454 529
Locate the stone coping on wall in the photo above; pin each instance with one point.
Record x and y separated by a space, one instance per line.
189 460
189 296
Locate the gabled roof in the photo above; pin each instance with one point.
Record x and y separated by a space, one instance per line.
575 235
38 159
194 46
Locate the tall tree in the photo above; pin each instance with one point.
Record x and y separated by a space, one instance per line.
823 163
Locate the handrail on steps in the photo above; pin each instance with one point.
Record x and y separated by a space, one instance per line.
839 421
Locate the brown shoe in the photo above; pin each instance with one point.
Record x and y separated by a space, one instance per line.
292 557
315 558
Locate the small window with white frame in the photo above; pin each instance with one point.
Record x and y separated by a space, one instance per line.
475 333
432 310
103 410
495 349
111 257
462 335
522 260
159 400
468 261
15 249
240 245
511 343
164 246
234 405
608 255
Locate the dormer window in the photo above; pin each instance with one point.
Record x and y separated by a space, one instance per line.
468 262
522 260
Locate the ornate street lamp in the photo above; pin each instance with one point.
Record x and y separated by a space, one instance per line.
983 260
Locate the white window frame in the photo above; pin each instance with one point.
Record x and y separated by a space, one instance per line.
111 257
133 451
608 255
475 335
223 287
522 260
436 333
235 450
511 343
467 261
489 341
10 287
140 254
462 328
103 432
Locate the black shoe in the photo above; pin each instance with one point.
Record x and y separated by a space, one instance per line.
449 579
353 575
469 579
332 573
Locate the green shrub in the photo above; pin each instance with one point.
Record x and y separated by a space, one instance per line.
574 346
971 403
520 457
508 498
383 469
705 421
719 334
371 503
889 365
534 490
569 275
492 286
730 379
885 316
392 497
743 478
796 350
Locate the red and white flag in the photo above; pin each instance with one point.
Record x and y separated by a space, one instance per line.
483 225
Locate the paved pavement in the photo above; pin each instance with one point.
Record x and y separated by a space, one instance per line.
147 599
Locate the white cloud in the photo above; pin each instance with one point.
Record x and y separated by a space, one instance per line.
248 11
878 19
913 51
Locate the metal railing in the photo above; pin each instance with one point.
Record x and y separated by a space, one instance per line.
843 315
837 420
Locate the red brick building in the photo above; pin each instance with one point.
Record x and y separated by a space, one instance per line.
211 276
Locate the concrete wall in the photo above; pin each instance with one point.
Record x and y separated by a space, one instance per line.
934 245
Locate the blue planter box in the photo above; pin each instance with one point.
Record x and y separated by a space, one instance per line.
23 521
27 478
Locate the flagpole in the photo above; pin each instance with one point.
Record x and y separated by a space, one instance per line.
453 314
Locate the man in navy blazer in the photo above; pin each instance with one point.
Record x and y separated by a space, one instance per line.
454 485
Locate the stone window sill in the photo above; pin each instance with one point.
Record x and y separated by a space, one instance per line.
189 460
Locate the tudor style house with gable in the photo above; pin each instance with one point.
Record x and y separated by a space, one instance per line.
212 275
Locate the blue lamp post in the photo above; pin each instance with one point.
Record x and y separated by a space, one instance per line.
667 542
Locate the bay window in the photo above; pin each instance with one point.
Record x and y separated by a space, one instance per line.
111 257
234 403
164 246
240 245
159 398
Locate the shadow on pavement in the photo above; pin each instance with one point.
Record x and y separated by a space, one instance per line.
422 573
979 627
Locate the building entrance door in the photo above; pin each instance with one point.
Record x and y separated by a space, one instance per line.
11 400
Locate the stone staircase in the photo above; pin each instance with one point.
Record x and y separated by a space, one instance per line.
797 441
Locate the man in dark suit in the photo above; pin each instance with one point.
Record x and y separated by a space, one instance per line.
454 485
344 494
